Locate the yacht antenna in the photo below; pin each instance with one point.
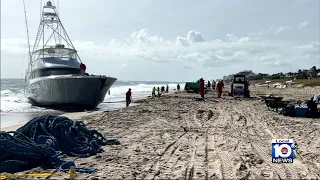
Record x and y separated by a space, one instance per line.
25 15
58 5
59 29
40 8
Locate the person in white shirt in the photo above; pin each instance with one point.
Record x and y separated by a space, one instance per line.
316 98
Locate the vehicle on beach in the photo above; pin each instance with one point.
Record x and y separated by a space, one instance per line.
56 75
240 86
194 86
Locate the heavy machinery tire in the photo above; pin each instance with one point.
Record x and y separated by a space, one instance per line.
247 93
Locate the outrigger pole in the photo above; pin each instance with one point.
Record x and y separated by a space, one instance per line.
25 15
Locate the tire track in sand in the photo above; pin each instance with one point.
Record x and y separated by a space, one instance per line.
299 162
225 159
205 160
191 165
255 132
266 158
189 169
197 167
213 168
226 163
210 120
168 160
283 171
165 156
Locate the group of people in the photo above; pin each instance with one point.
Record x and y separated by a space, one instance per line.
216 86
219 86
154 89
160 90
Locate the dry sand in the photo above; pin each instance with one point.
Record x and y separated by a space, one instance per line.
177 137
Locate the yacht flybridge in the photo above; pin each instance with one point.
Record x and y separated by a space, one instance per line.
56 76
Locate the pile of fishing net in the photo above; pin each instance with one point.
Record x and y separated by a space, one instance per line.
42 142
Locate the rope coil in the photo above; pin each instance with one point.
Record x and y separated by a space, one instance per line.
44 139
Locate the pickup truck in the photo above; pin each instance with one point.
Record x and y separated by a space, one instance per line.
194 86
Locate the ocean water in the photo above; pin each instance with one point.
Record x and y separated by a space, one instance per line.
15 107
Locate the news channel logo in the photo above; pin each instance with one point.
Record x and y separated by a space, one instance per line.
283 150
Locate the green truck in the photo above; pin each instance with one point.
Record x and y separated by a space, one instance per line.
193 86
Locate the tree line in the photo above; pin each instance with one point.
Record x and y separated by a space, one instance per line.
300 74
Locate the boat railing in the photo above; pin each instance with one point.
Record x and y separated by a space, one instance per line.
50 21
50 7
49 14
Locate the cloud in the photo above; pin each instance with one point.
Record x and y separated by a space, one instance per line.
192 37
270 32
282 29
190 51
303 25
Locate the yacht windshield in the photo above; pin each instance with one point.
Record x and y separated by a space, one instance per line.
53 71
59 53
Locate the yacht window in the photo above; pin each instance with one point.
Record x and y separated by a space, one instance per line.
56 71
51 51
61 53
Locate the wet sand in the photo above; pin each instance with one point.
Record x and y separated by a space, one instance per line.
12 121
178 137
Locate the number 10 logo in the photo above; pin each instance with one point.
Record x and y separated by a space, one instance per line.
282 150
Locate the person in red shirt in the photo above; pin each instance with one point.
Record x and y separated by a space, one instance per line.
128 97
83 68
220 86
202 88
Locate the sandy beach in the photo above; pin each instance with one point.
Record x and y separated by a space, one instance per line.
177 137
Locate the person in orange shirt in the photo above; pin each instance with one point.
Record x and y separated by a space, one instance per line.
202 88
220 86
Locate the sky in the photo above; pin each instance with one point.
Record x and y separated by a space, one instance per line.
168 40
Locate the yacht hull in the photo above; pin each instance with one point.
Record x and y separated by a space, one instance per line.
75 92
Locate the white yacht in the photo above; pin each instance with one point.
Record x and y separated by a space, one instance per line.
56 76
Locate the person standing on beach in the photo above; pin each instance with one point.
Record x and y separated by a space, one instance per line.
158 89
128 97
153 91
167 89
162 89
312 108
178 87
202 88
220 86
213 84
316 98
